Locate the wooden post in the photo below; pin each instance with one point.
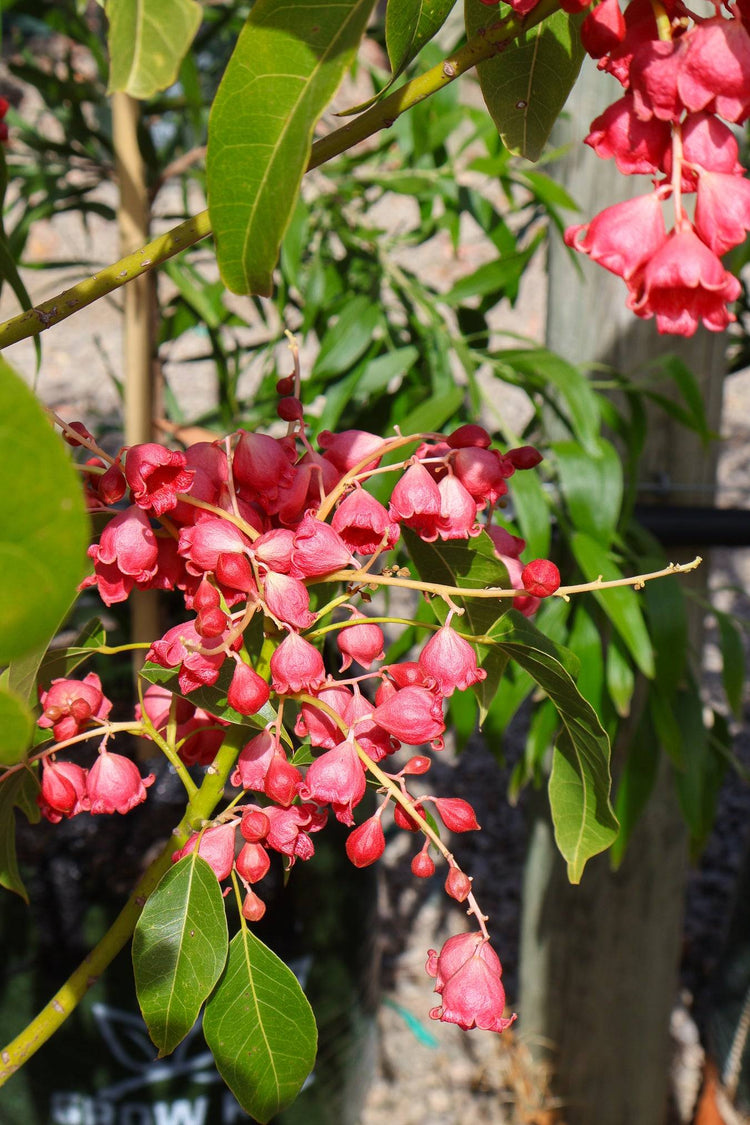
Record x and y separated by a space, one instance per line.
599 961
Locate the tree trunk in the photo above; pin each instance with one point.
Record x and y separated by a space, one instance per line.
599 962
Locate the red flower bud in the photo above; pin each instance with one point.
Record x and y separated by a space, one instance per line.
417 765
423 865
252 863
290 409
79 429
248 691
254 825
253 908
524 457
456 814
366 844
281 781
458 885
403 820
540 578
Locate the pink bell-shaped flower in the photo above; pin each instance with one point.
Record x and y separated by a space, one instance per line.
450 662
296 666
683 284
468 978
363 643
415 501
413 715
114 784
336 778
363 524
216 846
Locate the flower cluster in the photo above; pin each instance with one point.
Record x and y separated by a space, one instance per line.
242 529
684 78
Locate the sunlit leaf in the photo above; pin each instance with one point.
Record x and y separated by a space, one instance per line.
147 42
43 524
260 1028
526 85
286 65
179 950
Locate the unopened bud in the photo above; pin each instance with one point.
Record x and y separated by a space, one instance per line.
423 865
420 763
458 885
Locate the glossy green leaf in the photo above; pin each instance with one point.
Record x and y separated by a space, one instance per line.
180 948
147 42
579 784
591 485
467 562
19 791
285 67
43 524
526 85
16 723
585 641
409 24
260 1028
619 603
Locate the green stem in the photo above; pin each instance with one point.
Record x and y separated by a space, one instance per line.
486 43
54 1014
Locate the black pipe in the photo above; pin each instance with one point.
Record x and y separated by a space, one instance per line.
676 526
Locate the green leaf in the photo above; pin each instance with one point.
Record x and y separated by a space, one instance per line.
287 63
531 509
526 85
579 784
43 524
211 697
180 948
667 623
564 385
348 339
260 1028
16 724
592 487
620 677
732 661
699 780
636 782
147 41
496 279
467 562
586 642
19 791
620 603
409 24
47 664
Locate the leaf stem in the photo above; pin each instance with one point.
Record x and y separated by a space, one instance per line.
486 43
54 1014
